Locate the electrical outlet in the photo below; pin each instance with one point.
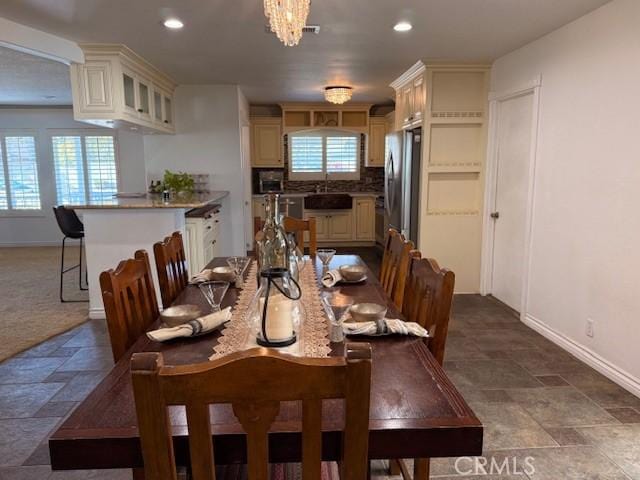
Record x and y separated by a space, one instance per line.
589 331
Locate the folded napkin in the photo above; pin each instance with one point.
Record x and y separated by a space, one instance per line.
194 327
330 278
204 276
387 326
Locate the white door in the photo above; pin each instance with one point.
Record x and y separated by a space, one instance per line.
513 149
246 185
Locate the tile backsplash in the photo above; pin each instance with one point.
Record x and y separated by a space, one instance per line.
371 178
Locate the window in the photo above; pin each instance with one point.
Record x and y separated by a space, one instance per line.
19 188
85 167
314 154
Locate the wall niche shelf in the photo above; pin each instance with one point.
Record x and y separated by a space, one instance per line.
306 116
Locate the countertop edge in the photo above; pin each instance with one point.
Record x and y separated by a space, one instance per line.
138 203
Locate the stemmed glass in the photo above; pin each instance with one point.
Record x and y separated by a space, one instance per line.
238 264
336 306
325 255
214 292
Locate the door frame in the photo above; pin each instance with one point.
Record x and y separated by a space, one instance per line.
486 273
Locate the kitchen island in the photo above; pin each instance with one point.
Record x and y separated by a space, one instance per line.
115 228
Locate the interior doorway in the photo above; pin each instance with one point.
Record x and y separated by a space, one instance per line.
513 134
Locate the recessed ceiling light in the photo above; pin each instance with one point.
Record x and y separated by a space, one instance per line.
173 23
402 27
49 97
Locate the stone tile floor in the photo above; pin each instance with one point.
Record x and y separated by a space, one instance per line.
540 406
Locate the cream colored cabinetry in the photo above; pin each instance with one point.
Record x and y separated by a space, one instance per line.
333 225
365 219
375 151
453 124
117 88
266 142
410 97
201 240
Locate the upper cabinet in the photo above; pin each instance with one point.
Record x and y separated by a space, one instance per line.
410 97
298 116
117 88
266 142
375 150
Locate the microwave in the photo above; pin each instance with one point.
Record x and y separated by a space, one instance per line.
271 182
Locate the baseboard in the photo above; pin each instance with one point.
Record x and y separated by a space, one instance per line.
588 356
97 314
56 243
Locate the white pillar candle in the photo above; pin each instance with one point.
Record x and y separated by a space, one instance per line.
279 325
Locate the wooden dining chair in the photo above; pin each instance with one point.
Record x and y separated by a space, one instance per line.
254 382
395 265
427 301
171 265
298 227
130 303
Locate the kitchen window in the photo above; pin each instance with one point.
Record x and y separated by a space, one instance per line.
19 186
315 154
85 167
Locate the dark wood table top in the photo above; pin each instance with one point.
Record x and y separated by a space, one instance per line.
416 411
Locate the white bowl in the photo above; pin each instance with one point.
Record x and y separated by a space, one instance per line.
367 312
174 316
353 273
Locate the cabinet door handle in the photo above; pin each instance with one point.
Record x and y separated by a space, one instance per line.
209 227
166 121
214 242
140 110
217 221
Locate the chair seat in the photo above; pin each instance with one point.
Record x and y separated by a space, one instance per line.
278 471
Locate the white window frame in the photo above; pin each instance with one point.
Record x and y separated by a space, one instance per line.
83 132
314 176
13 212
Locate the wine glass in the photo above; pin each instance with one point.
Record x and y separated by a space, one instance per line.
336 306
325 255
238 264
214 291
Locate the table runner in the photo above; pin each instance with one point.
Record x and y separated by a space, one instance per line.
313 333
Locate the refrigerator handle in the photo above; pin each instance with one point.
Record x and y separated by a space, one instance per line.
390 181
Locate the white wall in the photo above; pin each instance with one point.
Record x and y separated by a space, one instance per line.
42 229
586 229
207 140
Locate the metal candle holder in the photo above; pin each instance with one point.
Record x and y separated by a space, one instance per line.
270 274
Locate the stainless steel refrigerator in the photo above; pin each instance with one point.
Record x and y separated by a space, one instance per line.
402 181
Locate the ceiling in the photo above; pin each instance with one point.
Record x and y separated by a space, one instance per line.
224 41
29 80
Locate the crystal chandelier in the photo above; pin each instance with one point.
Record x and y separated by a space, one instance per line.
287 18
338 94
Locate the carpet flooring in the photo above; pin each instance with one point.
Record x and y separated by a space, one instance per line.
30 310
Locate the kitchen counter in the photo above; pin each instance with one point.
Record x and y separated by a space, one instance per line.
154 200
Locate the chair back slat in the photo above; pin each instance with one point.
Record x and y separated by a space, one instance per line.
311 439
200 444
428 298
130 303
395 265
171 264
254 382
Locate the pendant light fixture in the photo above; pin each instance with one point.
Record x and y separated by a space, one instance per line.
287 18
337 94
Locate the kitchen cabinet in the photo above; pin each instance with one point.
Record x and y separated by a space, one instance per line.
365 219
332 225
377 133
117 88
201 242
266 142
410 97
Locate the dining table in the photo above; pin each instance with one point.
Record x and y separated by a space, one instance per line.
415 410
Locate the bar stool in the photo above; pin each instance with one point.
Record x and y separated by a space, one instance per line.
71 227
